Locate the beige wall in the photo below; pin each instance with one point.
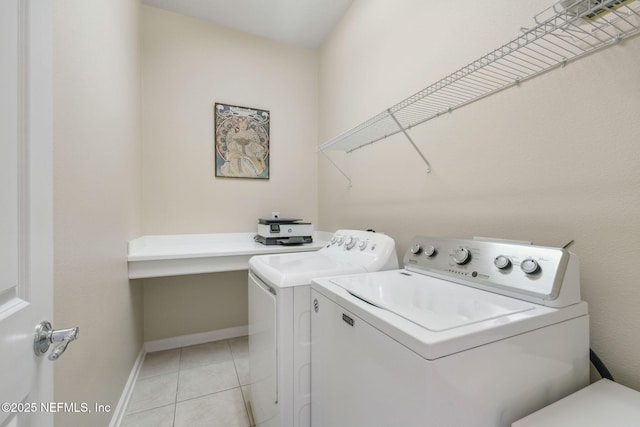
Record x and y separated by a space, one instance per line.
96 199
553 160
187 66
196 303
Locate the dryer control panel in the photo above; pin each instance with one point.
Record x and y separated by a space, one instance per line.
374 251
540 274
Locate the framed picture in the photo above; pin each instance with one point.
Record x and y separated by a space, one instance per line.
241 142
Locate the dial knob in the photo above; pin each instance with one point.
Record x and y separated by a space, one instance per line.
363 245
502 262
339 240
350 242
430 251
416 249
529 266
462 256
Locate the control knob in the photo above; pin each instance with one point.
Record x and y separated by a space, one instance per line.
430 251
416 249
502 262
363 245
530 266
462 256
350 242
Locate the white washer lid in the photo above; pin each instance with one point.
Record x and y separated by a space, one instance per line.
295 269
466 334
434 304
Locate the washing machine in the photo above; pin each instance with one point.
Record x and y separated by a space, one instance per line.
280 319
470 333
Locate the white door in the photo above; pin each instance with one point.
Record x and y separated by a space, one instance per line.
26 217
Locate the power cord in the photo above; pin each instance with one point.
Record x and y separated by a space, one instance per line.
600 366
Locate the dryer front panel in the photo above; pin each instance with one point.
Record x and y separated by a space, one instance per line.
263 351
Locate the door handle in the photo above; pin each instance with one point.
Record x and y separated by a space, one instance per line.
46 335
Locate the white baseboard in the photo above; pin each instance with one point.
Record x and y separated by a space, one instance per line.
121 408
193 339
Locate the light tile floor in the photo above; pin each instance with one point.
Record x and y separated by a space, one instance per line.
200 385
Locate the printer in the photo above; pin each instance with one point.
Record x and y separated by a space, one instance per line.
284 231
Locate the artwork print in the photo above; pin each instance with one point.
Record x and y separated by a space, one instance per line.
241 142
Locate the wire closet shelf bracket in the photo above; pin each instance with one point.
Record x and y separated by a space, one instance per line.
564 32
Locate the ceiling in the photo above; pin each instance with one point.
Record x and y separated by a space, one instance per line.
303 23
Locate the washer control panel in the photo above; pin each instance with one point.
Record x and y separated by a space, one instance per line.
530 272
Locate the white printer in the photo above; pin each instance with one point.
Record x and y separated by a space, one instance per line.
284 231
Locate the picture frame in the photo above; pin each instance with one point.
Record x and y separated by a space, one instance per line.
242 142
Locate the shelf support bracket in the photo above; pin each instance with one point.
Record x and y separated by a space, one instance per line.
406 134
337 167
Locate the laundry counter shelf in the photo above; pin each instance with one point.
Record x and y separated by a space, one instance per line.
179 254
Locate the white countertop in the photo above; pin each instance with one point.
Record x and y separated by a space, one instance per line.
179 254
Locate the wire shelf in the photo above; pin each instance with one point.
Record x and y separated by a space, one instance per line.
564 32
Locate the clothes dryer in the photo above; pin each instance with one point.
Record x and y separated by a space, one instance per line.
279 319
469 333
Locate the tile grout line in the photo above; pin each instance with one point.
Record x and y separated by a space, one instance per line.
247 404
244 400
175 403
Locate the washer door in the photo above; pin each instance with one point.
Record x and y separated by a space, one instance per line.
262 350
